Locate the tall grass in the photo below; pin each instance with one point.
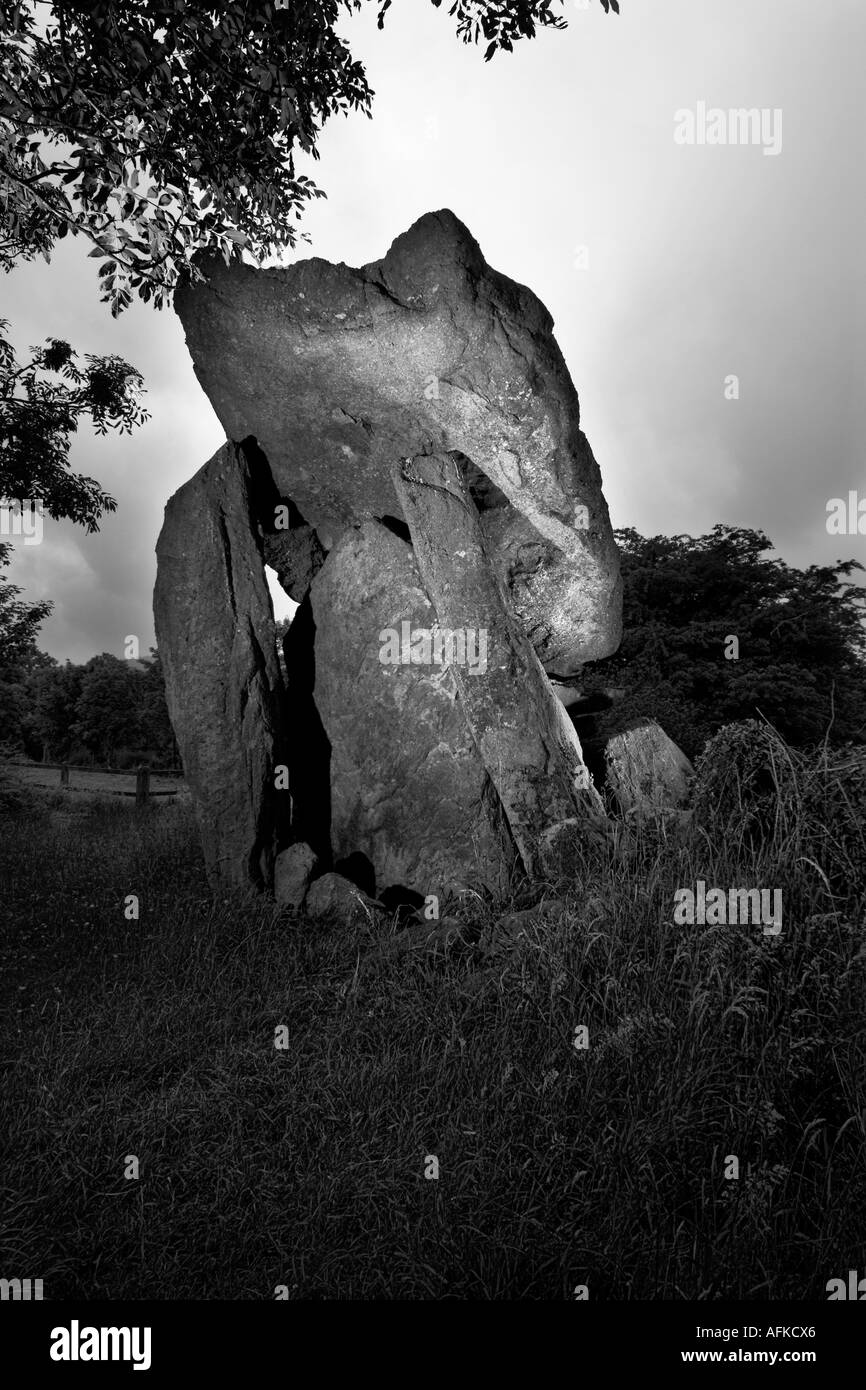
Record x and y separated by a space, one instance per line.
558 1166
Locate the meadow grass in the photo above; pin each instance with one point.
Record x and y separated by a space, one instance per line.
559 1166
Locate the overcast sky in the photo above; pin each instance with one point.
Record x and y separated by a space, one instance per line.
700 262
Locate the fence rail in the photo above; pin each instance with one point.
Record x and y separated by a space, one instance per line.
92 767
142 791
142 774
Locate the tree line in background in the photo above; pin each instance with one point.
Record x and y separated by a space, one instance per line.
716 630
105 711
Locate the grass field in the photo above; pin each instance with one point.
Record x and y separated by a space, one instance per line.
305 1166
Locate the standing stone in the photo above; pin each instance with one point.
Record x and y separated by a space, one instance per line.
522 733
215 632
408 789
646 772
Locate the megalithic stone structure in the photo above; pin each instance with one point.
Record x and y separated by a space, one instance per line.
422 771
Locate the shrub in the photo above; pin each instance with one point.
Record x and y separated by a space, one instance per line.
747 785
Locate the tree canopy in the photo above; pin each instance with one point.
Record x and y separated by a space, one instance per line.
19 622
160 129
799 654
157 130
107 710
42 402
19 626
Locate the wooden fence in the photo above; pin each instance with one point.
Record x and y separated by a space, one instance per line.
143 790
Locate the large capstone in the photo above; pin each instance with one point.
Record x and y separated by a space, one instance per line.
339 372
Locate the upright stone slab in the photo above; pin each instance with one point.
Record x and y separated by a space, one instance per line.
408 789
646 772
215 633
522 733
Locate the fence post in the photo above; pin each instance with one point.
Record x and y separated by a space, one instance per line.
64 775
142 785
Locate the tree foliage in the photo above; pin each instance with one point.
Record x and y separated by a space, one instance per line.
42 402
47 725
19 622
159 129
801 660
108 710
102 709
19 626
501 22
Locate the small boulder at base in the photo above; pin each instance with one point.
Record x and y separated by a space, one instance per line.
646 773
334 896
293 870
